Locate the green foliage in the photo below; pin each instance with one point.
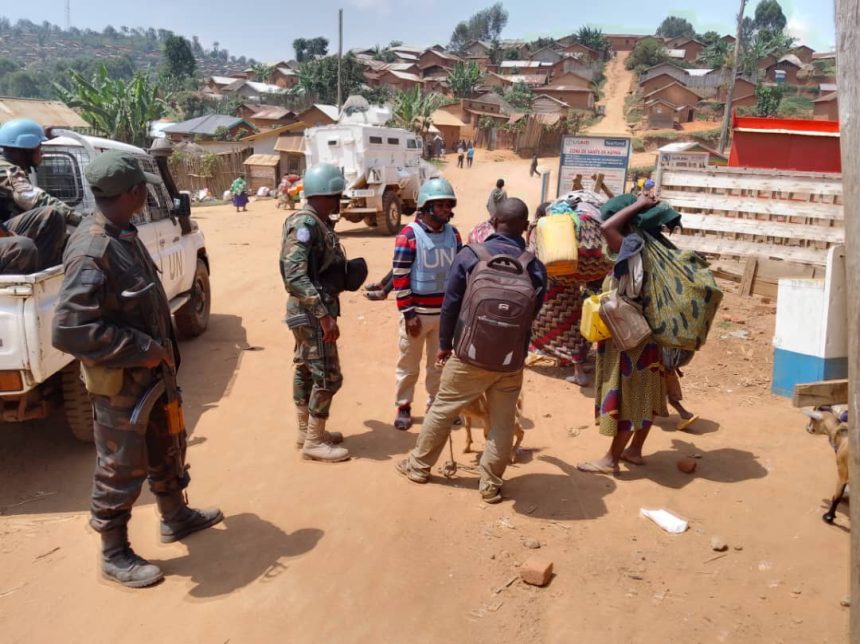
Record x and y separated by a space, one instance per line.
487 24
178 59
769 15
519 96
115 108
717 55
594 39
377 95
709 37
796 105
384 54
310 48
318 78
191 104
413 110
464 78
262 71
675 27
487 123
638 144
647 53
540 43
768 98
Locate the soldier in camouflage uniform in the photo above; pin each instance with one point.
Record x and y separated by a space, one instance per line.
32 222
309 248
112 334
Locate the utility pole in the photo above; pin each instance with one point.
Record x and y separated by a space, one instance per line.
847 67
68 15
339 57
730 89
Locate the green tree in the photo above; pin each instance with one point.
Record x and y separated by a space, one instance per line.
647 53
768 99
716 55
709 37
520 97
318 47
318 78
262 71
300 46
487 25
769 15
178 58
594 39
464 79
413 110
115 108
675 27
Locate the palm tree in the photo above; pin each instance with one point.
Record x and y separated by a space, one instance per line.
114 108
413 110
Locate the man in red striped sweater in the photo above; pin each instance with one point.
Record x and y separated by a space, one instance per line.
423 254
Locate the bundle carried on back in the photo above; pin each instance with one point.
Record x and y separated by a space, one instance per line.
680 296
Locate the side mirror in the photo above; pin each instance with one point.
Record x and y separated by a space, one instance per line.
182 210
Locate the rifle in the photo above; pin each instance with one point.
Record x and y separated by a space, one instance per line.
165 387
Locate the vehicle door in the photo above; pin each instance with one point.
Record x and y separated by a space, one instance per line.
176 267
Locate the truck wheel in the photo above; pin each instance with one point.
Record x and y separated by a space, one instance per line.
392 211
193 318
76 403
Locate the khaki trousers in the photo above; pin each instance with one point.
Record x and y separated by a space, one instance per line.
461 384
409 364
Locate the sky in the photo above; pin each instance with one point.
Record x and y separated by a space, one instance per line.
265 29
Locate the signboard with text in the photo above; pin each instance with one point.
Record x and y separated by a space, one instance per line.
586 157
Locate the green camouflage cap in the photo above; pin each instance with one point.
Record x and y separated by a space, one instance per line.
114 172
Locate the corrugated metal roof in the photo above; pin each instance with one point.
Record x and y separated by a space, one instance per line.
330 111
832 96
291 143
443 118
676 53
270 160
405 76
222 80
524 64
826 87
45 113
207 125
276 131
699 72
792 59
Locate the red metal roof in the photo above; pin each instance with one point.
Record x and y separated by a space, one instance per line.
785 144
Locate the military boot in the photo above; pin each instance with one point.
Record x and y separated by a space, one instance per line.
302 423
122 565
178 520
316 448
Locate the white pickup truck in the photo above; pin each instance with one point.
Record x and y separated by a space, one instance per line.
35 378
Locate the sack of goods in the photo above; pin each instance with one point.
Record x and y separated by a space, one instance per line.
495 321
679 295
556 244
624 319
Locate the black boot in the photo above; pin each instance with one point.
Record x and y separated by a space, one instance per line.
178 520
122 565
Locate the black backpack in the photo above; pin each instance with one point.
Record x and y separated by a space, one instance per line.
497 313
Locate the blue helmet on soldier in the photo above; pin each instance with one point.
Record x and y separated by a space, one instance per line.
24 134
436 189
323 180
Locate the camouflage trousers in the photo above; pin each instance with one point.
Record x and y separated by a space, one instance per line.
37 244
127 454
317 377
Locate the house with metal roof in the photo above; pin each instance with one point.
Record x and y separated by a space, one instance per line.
211 128
45 113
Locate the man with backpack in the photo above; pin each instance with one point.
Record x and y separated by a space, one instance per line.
493 293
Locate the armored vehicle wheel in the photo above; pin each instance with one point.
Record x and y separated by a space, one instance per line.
193 318
392 211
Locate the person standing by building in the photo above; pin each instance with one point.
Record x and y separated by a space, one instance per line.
239 190
32 222
470 154
497 195
463 382
461 151
423 253
113 334
309 248
533 167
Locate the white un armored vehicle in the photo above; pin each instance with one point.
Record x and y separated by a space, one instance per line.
382 166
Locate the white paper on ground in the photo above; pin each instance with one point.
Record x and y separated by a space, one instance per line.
665 519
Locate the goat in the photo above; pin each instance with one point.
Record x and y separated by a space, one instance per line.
822 420
479 410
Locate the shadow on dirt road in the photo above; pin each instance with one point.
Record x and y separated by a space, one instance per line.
44 469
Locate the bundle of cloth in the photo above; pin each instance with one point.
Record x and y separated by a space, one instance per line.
556 339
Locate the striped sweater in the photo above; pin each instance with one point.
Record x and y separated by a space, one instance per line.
408 303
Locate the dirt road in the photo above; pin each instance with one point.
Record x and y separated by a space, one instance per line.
618 83
355 553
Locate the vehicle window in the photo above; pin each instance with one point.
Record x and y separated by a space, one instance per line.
157 199
411 144
376 139
392 141
58 176
332 142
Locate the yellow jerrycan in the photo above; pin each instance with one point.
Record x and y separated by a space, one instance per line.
556 244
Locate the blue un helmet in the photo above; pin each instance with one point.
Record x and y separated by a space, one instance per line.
434 190
25 134
323 180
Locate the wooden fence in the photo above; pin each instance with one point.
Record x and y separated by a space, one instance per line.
214 172
767 223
